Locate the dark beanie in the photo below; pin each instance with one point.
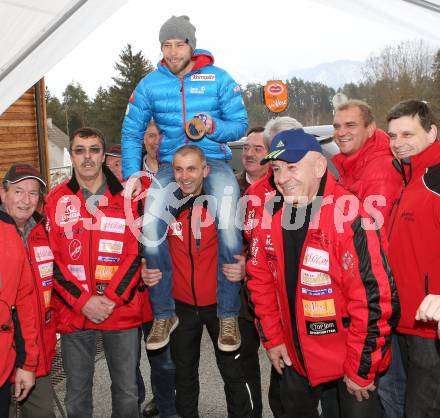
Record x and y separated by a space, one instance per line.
178 27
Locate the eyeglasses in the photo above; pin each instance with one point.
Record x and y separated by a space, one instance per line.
83 150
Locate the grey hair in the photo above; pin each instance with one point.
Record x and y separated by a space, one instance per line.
277 125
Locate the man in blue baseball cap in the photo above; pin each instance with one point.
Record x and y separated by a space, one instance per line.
324 295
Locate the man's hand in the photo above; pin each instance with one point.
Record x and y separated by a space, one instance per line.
359 392
235 272
132 188
150 277
278 357
98 308
24 380
429 309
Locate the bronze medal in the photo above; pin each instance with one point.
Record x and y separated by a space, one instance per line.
195 129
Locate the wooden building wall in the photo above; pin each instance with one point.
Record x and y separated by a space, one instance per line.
23 132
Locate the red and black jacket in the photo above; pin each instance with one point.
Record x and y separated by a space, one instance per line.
345 301
414 250
94 255
192 240
18 335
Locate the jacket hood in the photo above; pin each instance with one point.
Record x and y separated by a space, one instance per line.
375 146
201 57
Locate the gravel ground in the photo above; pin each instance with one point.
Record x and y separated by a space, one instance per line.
212 402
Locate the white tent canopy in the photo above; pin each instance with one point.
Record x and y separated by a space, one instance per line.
36 34
418 16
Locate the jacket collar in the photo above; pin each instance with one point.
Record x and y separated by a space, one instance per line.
201 58
376 144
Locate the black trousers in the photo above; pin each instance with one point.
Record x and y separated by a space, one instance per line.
250 342
421 360
5 399
185 350
301 400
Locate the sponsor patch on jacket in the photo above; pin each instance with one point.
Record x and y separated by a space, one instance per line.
116 225
75 248
237 88
110 246
268 244
197 90
203 77
317 292
318 308
47 297
316 258
321 327
71 213
46 269
314 278
105 272
43 253
108 259
47 282
78 271
176 229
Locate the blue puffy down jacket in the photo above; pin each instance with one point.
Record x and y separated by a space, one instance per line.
172 101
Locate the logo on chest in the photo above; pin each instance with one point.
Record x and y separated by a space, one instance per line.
316 258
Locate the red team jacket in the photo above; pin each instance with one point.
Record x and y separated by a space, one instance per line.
42 267
344 295
17 325
194 256
414 250
370 172
94 254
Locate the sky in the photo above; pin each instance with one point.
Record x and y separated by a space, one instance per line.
253 41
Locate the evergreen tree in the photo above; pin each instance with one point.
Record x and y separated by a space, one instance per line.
76 105
54 110
131 69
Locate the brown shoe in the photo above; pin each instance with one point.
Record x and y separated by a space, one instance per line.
229 338
159 335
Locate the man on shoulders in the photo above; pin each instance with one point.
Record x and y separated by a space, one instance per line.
190 99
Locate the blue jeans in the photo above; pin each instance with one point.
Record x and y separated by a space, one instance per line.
121 349
160 207
392 385
162 377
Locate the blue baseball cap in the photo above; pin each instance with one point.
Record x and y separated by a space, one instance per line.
291 146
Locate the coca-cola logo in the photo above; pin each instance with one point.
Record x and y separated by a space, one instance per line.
276 89
75 248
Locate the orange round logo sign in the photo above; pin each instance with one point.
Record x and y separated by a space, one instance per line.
275 96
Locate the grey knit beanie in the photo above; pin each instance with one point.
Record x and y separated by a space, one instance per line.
178 27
